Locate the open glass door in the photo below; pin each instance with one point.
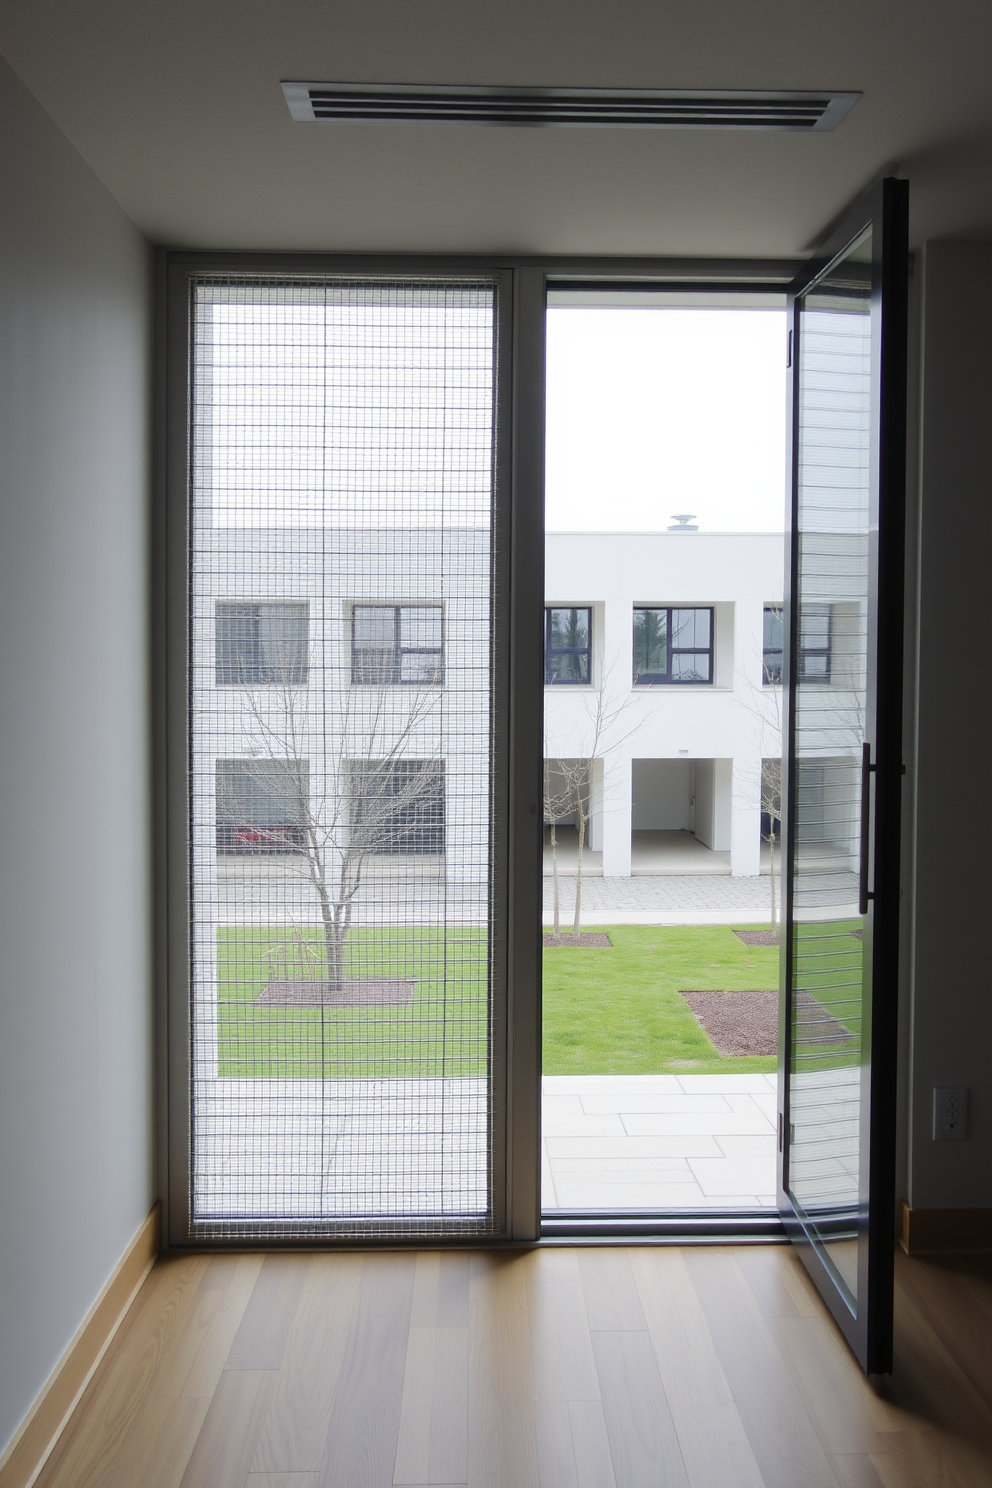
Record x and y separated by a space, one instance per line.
843 766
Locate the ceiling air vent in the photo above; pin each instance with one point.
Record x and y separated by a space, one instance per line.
597 108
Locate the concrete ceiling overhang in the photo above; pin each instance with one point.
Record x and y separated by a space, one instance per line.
176 106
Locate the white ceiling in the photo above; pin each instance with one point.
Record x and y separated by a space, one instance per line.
176 105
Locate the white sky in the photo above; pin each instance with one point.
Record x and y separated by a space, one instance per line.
657 411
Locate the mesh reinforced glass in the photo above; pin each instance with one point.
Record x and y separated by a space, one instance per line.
341 756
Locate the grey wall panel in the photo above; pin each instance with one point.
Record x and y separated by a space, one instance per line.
952 1004
76 1169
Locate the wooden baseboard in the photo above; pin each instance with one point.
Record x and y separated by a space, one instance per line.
942 1231
44 1423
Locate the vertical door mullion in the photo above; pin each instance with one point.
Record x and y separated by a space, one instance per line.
526 699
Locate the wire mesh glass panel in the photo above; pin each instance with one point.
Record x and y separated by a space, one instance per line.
342 633
830 722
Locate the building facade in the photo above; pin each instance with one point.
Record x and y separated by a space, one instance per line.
676 666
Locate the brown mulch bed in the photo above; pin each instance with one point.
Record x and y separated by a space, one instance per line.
593 939
758 937
301 993
741 1023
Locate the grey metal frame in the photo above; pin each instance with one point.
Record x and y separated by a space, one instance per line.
519 683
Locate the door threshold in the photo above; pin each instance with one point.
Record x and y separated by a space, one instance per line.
665 1226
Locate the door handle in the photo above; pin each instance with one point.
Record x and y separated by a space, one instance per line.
867 770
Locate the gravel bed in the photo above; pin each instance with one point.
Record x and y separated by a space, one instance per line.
300 993
595 938
740 1023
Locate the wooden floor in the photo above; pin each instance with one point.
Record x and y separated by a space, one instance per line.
578 1368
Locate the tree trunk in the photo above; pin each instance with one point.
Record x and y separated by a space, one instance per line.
554 876
577 922
334 944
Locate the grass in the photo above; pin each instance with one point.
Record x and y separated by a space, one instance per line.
618 1012
606 1012
442 1032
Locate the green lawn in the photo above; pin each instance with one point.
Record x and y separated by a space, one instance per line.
442 1032
606 1011
618 1012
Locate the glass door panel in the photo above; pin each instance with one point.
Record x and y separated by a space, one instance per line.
830 707
843 769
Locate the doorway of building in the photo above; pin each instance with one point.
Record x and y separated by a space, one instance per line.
665 563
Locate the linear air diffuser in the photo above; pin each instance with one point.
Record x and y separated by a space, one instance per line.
597 108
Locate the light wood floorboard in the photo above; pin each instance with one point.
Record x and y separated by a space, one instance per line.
586 1368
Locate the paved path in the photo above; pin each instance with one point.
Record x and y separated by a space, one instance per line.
658 1141
677 899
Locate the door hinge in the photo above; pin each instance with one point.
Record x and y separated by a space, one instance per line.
781 1123
788 351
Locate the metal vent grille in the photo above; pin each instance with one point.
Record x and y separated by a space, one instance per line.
599 108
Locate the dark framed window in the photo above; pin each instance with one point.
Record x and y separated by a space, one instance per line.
396 645
261 644
262 805
567 646
672 645
771 654
396 805
815 628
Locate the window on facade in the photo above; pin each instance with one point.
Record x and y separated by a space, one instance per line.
567 646
262 805
814 643
397 644
772 648
397 805
261 644
672 646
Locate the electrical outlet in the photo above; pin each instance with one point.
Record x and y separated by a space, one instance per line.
950 1113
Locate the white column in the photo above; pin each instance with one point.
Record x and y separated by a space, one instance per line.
741 789
596 807
616 818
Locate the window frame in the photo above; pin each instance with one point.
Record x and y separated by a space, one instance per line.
399 650
525 282
435 798
550 651
301 668
655 679
291 837
766 680
805 652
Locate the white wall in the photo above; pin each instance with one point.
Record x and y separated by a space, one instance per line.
76 1170
951 1041
661 795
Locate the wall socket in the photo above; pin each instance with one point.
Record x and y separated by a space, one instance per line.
950 1113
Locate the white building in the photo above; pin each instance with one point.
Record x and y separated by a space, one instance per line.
675 628
672 633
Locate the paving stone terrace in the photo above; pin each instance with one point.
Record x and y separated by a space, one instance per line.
620 1142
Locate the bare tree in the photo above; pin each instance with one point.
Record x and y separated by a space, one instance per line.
771 807
765 707
558 802
379 789
576 776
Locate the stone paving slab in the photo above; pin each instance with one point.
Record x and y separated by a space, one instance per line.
685 1141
